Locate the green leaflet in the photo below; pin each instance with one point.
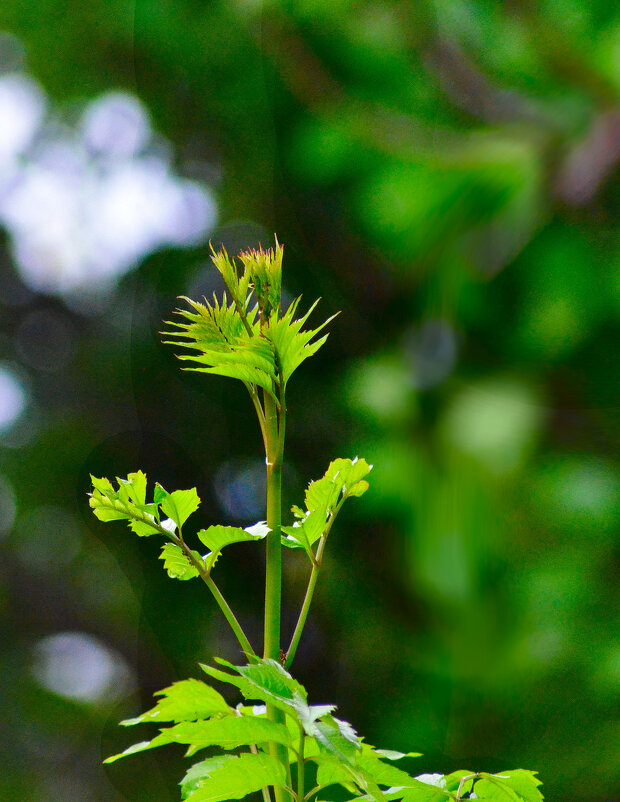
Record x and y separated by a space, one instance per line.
176 563
224 344
200 771
217 537
187 700
239 777
127 503
179 504
292 345
509 786
343 478
228 732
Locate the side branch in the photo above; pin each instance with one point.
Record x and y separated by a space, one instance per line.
314 575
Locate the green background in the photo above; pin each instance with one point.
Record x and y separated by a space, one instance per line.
444 173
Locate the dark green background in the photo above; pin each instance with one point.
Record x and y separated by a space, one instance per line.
445 175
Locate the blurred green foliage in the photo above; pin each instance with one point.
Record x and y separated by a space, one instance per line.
445 174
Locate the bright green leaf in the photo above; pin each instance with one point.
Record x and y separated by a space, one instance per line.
187 700
200 771
180 504
177 563
239 777
217 537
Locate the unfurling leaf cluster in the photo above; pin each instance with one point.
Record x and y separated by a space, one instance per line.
245 336
325 748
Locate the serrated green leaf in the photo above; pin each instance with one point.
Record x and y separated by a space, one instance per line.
217 537
292 345
136 483
180 504
239 777
187 700
144 529
176 563
509 786
200 771
228 732
103 485
127 503
106 514
224 345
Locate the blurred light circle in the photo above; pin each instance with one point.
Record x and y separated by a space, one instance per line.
432 352
22 106
495 421
13 399
84 206
80 666
46 340
240 489
8 506
116 124
195 213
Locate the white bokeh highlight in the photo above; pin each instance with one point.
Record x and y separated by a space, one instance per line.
13 398
81 667
83 205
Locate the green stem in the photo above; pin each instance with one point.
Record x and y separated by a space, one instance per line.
274 431
217 595
273 578
300 765
314 575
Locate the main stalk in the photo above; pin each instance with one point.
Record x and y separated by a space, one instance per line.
273 577
274 442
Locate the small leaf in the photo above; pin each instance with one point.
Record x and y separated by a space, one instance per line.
102 485
177 563
217 537
180 504
239 777
390 754
131 750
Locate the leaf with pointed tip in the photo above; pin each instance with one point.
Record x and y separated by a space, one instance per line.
239 777
391 754
228 732
292 345
215 538
224 345
179 504
509 786
343 478
200 771
176 563
187 700
127 503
